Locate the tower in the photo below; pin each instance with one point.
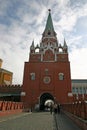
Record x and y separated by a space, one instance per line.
47 73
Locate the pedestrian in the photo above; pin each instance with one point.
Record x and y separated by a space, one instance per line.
58 108
55 108
51 108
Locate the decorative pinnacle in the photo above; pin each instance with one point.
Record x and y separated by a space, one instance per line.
49 10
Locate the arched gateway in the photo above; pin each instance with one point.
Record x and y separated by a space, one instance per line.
43 98
47 73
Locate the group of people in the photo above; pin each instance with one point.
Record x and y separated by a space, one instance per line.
55 108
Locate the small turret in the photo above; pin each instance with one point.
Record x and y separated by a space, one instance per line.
37 46
32 48
65 48
32 44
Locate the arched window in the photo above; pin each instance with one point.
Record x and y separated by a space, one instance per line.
49 33
32 76
37 50
60 50
61 76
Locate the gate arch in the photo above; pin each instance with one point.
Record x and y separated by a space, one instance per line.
43 98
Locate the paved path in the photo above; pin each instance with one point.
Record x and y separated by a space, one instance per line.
27 121
37 121
65 123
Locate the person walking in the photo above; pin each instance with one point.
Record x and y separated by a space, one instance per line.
58 108
55 108
51 108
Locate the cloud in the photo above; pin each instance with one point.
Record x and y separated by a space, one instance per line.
23 21
3 6
78 63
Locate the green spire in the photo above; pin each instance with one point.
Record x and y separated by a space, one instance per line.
49 24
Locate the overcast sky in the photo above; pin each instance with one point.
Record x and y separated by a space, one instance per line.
22 21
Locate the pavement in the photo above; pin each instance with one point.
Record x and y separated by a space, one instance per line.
27 121
37 121
65 123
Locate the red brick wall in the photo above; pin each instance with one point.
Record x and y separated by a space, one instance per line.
58 88
49 56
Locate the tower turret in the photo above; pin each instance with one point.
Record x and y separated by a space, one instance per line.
32 48
65 48
49 49
49 34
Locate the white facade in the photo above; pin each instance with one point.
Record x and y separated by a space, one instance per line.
79 86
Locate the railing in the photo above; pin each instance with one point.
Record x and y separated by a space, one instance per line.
78 108
9 106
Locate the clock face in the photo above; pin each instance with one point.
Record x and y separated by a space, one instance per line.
46 79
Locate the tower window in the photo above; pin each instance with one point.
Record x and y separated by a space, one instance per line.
32 76
60 50
46 71
37 50
61 76
49 33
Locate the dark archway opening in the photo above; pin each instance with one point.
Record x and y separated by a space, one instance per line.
44 97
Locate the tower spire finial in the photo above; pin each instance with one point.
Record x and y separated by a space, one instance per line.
49 10
49 24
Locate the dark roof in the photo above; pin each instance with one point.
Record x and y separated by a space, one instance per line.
79 80
9 94
5 71
49 24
